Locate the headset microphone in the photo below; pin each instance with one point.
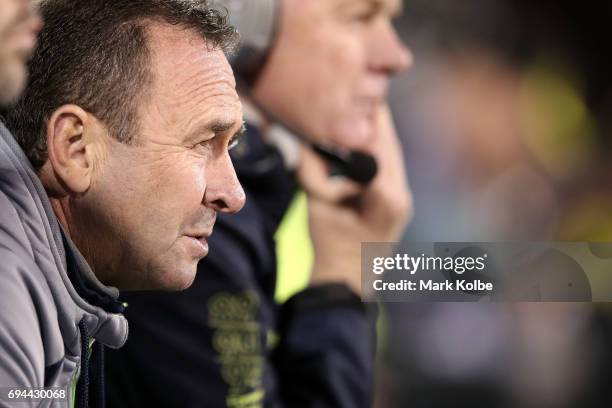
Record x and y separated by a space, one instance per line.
357 166
257 23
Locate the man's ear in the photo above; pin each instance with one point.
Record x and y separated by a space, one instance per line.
70 149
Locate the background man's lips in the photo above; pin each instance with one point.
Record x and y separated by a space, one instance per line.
377 98
374 93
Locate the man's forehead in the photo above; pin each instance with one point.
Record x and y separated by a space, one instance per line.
191 80
180 54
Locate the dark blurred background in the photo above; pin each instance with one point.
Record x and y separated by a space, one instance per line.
506 120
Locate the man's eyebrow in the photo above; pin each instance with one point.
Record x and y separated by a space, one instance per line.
221 126
214 126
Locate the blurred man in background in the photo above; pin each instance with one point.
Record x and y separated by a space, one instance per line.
225 342
19 25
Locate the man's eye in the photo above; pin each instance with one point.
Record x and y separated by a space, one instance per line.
366 15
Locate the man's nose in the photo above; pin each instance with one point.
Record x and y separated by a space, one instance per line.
224 193
390 55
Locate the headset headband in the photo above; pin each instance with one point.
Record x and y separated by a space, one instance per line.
256 21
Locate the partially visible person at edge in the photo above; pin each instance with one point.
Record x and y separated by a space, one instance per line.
19 26
117 169
213 345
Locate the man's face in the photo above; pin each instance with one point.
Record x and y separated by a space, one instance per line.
19 26
153 204
329 71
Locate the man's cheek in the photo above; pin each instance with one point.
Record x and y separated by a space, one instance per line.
346 51
183 191
198 178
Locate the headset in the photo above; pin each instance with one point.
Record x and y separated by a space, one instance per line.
257 21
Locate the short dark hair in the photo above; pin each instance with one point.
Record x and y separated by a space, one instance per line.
95 54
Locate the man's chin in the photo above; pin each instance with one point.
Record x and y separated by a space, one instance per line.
183 284
356 132
166 279
177 280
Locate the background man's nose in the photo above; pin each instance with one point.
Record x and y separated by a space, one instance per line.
390 54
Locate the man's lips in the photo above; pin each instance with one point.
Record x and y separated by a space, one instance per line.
376 87
200 234
200 243
200 238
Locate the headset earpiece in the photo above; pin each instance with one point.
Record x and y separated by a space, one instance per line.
256 21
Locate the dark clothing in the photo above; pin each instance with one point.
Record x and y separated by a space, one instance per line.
225 342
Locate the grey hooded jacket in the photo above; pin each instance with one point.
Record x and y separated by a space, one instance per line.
45 322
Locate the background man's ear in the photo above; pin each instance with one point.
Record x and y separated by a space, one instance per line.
69 149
